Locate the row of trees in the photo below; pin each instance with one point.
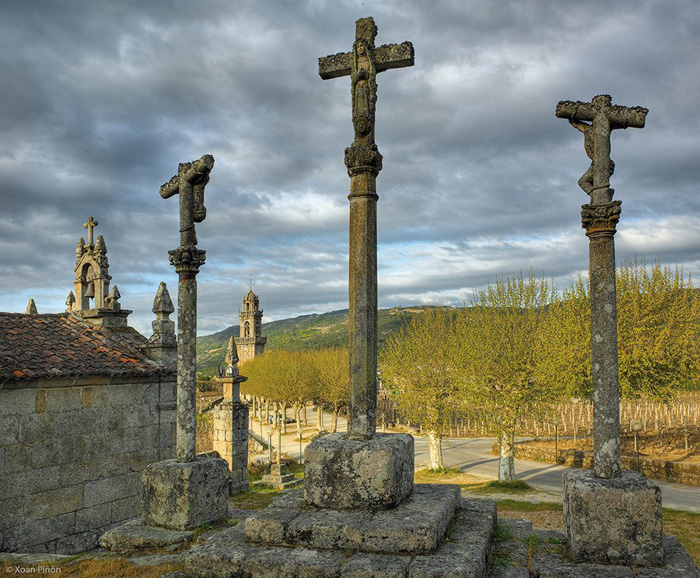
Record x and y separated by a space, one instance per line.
293 378
523 346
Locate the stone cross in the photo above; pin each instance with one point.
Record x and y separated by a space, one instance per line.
603 117
600 219
90 225
364 162
189 183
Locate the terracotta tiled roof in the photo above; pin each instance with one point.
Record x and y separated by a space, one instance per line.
61 345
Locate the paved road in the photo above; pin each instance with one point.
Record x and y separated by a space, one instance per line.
472 456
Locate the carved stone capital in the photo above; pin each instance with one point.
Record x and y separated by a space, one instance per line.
600 219
363 158
187 260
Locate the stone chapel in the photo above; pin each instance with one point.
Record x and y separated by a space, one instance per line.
251 341
86 403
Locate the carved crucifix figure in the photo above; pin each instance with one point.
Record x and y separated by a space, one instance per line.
596 120
90 225
189 183
364 162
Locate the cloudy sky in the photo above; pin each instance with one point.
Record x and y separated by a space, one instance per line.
101 99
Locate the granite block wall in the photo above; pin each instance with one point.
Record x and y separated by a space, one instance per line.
71 456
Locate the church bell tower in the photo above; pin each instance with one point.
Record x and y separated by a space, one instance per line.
250 342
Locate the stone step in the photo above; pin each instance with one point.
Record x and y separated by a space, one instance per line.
523 551
277 479
135 535
416 526
462 553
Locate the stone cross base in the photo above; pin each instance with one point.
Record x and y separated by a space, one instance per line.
408 541
184 495
231 441
343 473
279 479
417 526
613 521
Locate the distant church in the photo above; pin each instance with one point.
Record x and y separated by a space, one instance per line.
250 342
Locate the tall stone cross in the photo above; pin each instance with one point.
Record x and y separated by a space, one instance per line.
364 162
599 218
189 183
90 225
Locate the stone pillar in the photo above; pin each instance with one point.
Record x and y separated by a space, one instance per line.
231 435
610 516
362 469
187 261
363 298
189 491
599 222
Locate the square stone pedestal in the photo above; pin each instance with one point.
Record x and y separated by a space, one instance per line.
343 473
231 439
613 521
184 495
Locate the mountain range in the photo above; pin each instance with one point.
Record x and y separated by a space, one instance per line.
303 333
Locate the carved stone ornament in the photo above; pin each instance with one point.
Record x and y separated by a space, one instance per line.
362 159
187 259
601 219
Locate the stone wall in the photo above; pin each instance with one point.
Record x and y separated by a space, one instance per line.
677 472
71 455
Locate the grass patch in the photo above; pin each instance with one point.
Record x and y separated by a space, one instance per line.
256 472
686 527
253 500
90 568
502 533
436 472
220 523
547 515
517 506
558 541
511 487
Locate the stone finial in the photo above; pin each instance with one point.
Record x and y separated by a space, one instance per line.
231 359
112 301
162 345
163 327
162 304
80 249
70 301
100 246
31 308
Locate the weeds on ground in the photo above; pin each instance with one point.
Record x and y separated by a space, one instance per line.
517 506
257 499
502 533
510 487
532 542
89 568
686 527
433 472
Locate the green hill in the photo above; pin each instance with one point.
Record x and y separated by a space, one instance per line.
316 331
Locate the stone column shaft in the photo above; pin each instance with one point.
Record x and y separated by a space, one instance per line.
606 397
363 305
186 367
